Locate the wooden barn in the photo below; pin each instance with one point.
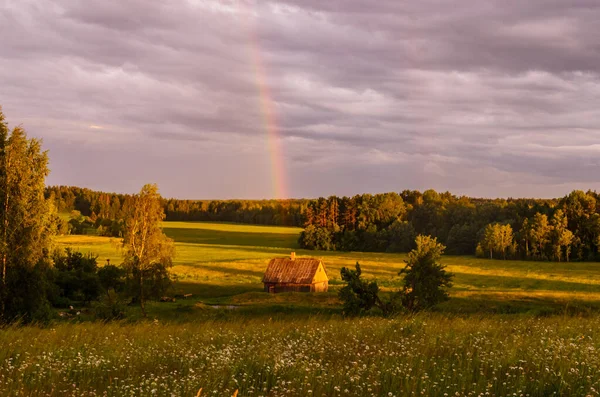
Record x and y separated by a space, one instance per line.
300 275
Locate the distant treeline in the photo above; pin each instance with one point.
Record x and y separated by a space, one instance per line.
536 229
542 229
102 209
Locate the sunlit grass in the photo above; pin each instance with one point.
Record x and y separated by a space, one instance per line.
225 262
511 329
428 355
233 228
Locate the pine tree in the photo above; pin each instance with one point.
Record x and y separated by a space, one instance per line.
426 282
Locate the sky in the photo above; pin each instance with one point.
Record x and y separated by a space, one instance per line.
308 98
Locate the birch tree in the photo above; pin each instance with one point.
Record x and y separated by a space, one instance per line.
561 237
540 235
148 252
497 238
25 222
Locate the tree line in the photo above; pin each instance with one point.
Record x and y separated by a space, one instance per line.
537 229
560 229
101 212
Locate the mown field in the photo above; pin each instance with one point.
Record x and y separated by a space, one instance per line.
511 329
223 264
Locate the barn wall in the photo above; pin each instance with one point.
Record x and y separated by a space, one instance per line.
320 275
320 287
288 287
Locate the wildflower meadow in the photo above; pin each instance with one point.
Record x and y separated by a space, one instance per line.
427 355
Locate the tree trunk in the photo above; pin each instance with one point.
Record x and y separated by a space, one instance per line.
143 307
3 292
411 301
381 306
4 247
142 303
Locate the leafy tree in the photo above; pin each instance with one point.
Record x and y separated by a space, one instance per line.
371 239
360 296
526 236
580 209
111 278
401 237
540 235
25 225
506 239
426 282
561 237
462 239
461 211
427 217
480 252
496 238
316 238
28 290
148 252
389 208
78 223
348 240
76 276
112 281
62 225
488 241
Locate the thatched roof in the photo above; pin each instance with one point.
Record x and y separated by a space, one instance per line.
291 271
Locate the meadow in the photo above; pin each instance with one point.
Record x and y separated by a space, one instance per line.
223 264
511 329
427 355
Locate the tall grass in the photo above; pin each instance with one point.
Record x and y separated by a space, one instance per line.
428 355
298 345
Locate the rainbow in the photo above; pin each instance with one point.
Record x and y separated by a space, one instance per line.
267 108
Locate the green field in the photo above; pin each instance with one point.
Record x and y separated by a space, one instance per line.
511 329
223 264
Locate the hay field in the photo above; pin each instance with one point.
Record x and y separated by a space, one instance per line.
224 264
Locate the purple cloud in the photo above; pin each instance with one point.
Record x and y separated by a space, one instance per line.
493 98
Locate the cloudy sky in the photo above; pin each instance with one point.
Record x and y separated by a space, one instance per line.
307 98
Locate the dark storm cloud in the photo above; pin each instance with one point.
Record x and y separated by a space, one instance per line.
491 98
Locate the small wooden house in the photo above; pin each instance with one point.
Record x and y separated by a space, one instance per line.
300 275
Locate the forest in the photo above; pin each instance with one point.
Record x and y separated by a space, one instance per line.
560 229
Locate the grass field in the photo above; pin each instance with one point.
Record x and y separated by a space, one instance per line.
224 263
427 355
511 329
